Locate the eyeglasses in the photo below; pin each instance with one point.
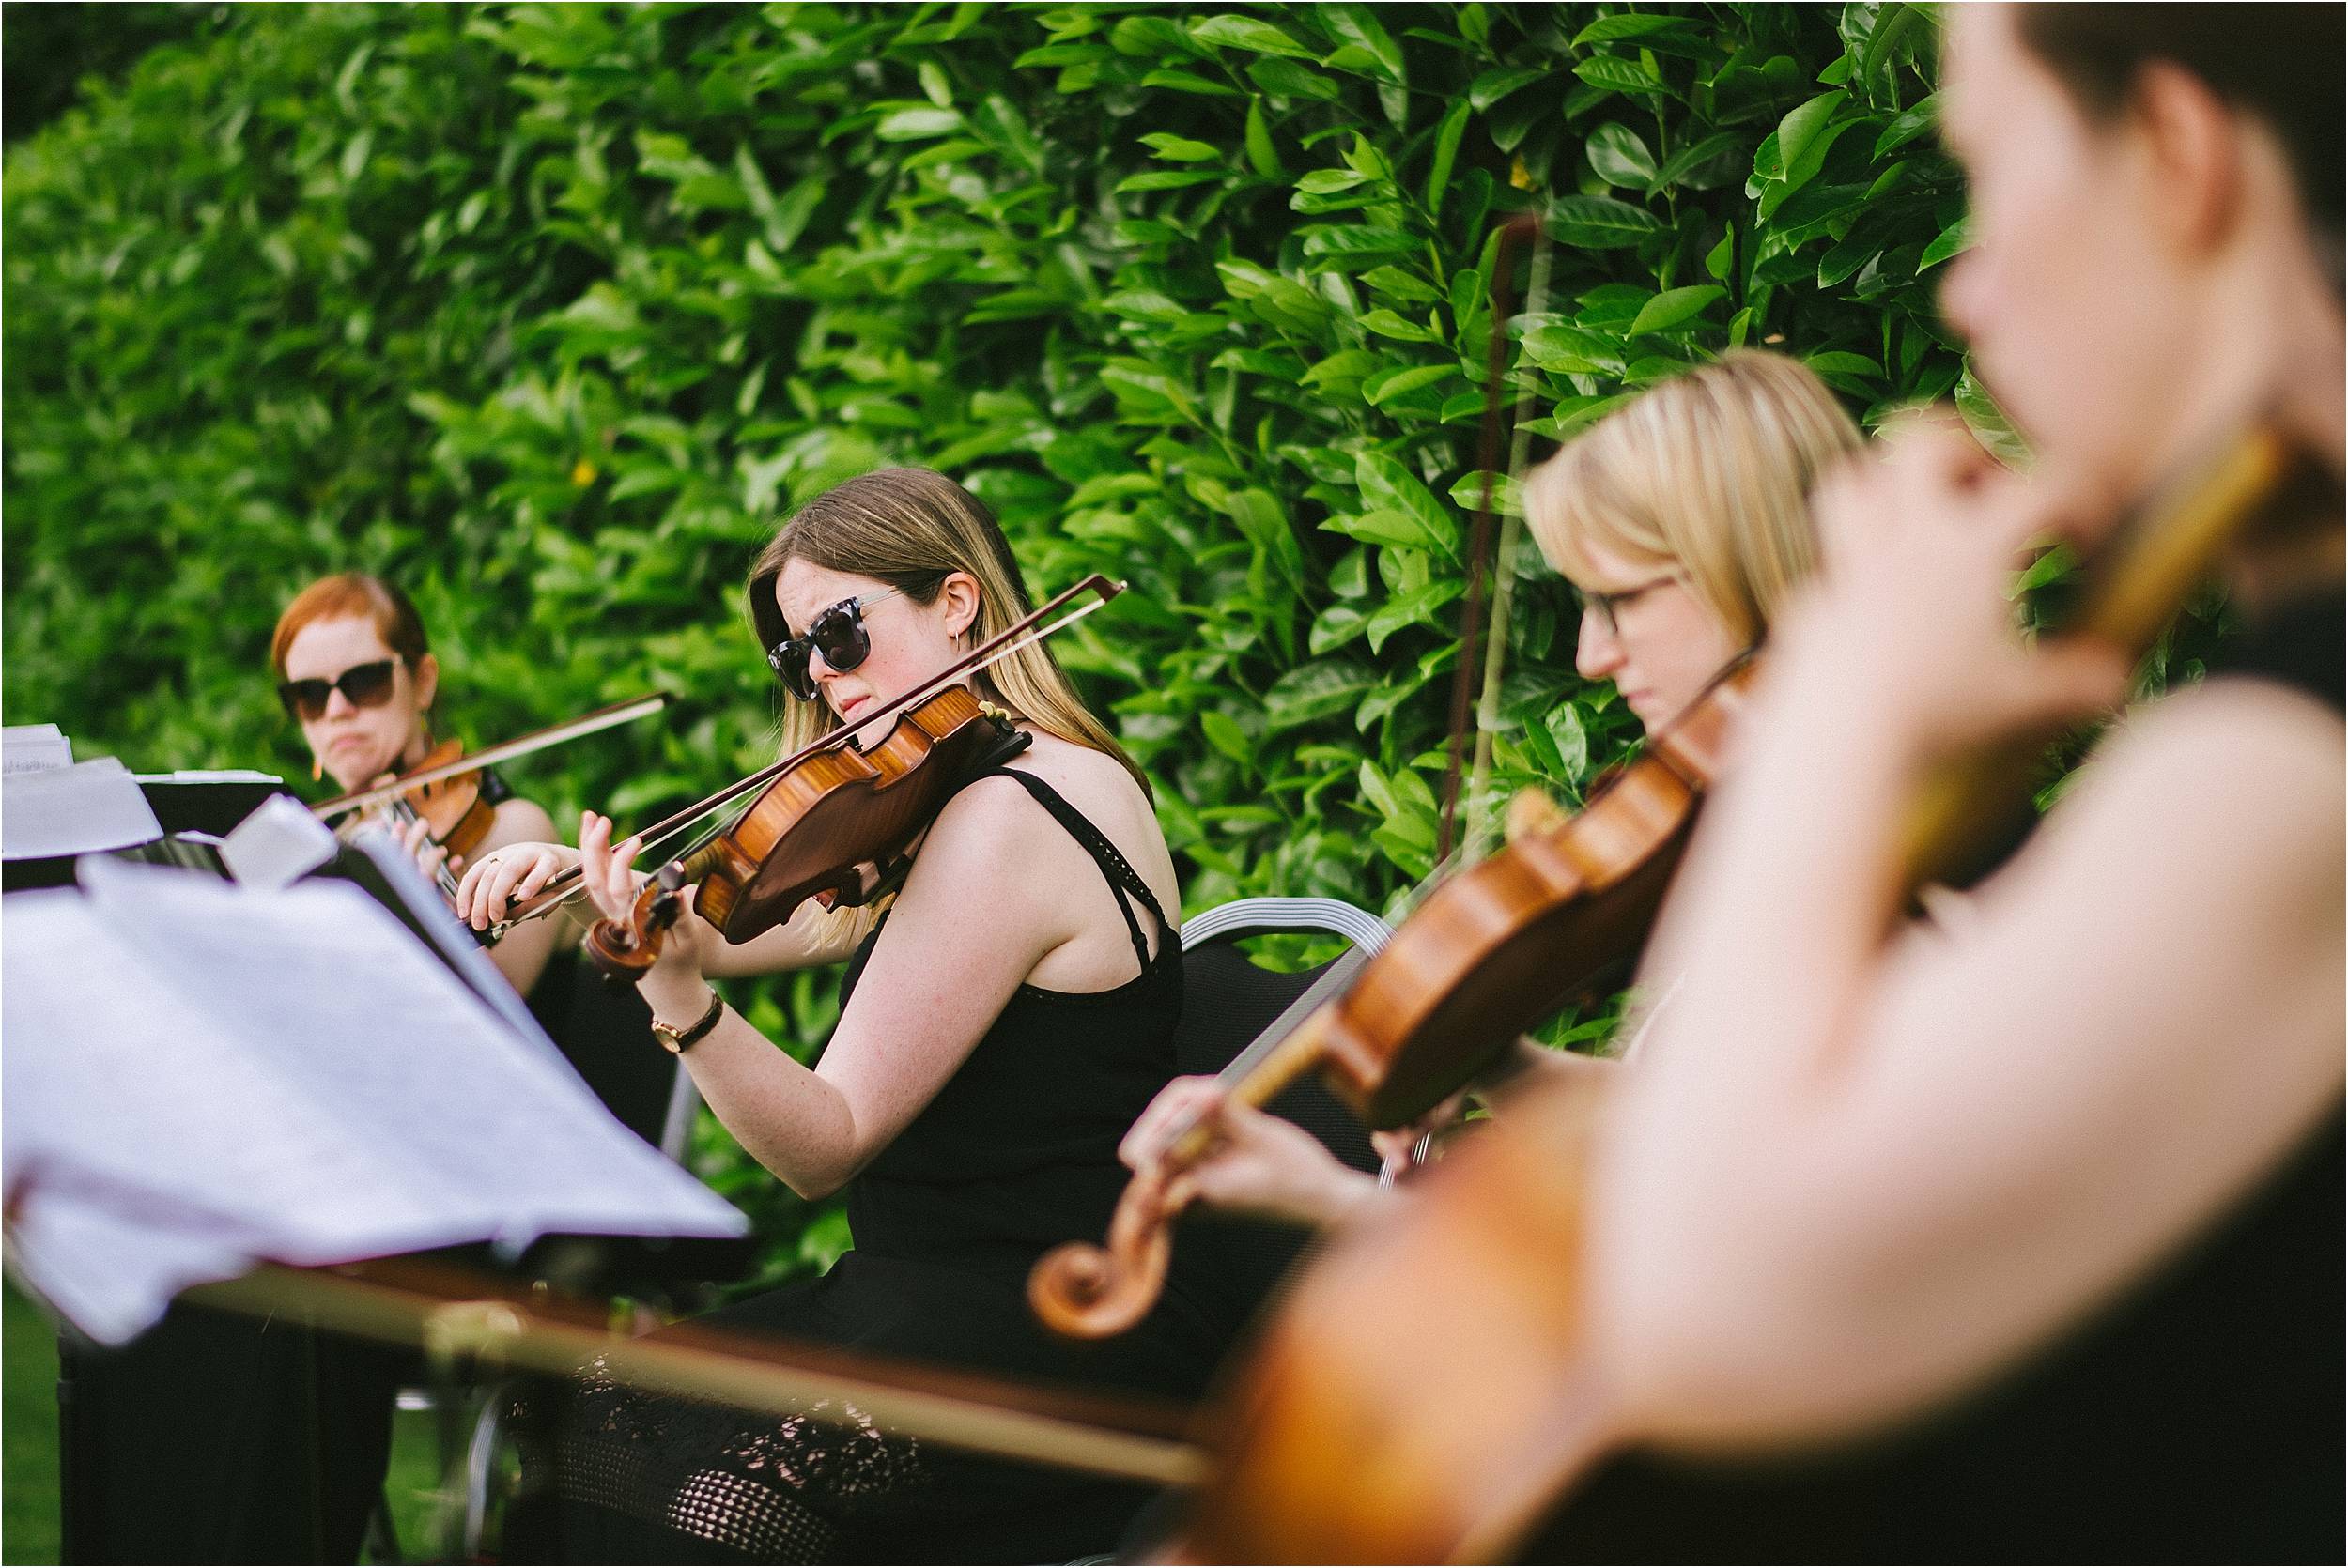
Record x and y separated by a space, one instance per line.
837 633
367 685
1609 606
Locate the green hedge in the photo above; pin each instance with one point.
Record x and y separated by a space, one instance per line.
548 311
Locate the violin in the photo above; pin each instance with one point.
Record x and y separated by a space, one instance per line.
456 815
1328 1447
813 832
1491 952
829 814
443 789
1418 1024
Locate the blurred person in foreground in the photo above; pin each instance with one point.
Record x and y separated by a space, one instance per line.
2021 1237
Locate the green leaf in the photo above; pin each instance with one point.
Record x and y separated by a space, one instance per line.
1225 736
1573 351
1313 691
1951 240
1178 149
1401 383
1247 32
1694 159
1497 84
1397 283
913 125
1802 127
1619 75
1507 493
1619 157
1446 153
1675 307
1190 82
1419 606
1261 155
1607 29
1358 24
1167 179
1336 626
1909 126
1361 240
1386 483
1386 323
1600 222
1897 27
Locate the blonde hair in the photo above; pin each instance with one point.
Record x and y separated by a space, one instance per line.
1709 473
912 529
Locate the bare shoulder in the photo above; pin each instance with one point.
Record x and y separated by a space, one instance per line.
2225 750
2233 789
1094 783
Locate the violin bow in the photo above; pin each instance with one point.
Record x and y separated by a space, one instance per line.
561 889
1466 700
521 745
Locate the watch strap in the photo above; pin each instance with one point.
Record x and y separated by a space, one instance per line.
681 1040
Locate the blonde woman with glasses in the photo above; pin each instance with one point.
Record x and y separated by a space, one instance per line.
1682 520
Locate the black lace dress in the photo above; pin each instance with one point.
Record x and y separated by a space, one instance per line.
1015 1154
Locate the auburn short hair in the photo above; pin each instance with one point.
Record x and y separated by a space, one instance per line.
347 593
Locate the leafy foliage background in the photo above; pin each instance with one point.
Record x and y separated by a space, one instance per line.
549 313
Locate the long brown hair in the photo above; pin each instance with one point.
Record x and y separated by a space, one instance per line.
912 529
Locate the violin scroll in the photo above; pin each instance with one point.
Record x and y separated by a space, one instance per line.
627 952
1088 1292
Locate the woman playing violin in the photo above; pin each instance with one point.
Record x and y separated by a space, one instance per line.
355 673
1001 1022
2066 1175
1682 521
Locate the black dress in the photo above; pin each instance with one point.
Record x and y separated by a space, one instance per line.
2196 1419
1015 1154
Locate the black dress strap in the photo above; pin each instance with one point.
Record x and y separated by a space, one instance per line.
1116 869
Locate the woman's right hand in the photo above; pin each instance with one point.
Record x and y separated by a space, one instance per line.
504 877
1257 1162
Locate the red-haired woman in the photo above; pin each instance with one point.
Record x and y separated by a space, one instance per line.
354 671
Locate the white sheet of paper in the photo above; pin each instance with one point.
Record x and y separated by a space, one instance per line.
79 809
198 1076
34 748
278 842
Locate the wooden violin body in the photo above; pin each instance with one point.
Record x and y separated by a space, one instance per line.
815 827
1491 953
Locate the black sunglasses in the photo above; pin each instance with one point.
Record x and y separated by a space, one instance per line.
367 685
837 633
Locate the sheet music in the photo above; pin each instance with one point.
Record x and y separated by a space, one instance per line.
80 809
34 748
284 1075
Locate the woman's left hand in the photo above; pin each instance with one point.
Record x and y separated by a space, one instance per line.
416 839
603 870
1915 610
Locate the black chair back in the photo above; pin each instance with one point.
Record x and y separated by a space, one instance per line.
1233 1262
